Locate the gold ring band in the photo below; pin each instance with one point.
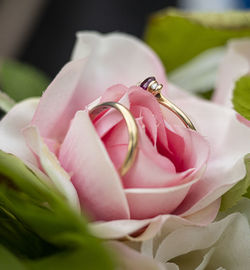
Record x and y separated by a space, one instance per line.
132 131
177 111
150 84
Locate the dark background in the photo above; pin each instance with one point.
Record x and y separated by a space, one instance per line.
50 45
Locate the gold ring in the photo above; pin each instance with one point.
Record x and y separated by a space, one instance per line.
132 131
150 84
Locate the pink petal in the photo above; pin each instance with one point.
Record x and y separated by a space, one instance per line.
142 230
148 122
117 58
94 176
116 93
148 171
138 101
59 103
243 120
236 63
105 60
148 203
152 169
206 215
140 98
141 104
151 202
188 148
229 142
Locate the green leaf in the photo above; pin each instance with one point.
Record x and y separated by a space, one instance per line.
73 245
15 236
17 172
21 81
72 259
36 222
77 259
8 261
241 96
242 188
178 36
206 95
6 103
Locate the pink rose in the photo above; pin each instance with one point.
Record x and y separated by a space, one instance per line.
179 175
168 163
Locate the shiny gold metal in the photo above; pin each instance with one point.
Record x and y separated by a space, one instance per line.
132 131
155 88
178 112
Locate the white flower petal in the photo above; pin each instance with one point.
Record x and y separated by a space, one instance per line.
130 259
146 229
12 140
49 162
225 244
235 64
206 260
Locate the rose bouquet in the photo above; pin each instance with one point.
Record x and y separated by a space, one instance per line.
65 204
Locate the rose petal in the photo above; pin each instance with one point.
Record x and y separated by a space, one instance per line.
117 229
117 58
140 98
68 88
206 215
148 122
116 93
230 238
159 169
130 259
243 120
142 230
152 169
105 60
51 166
150 202
12 140
142 105
188 149
83 154
209 188
137 101
229 141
